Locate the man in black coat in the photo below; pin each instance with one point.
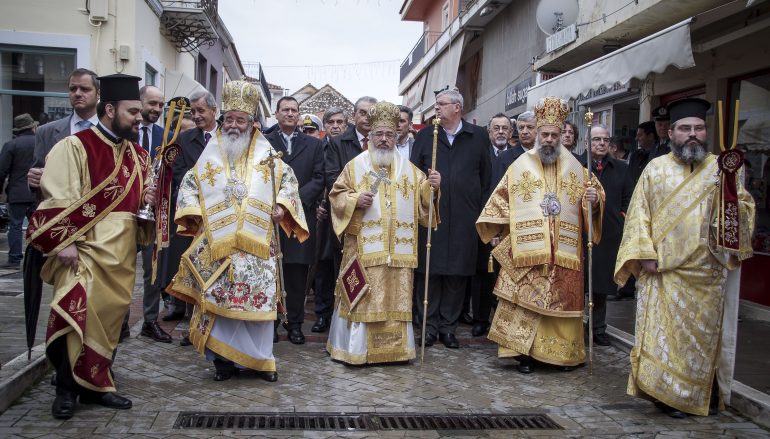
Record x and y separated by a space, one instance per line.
203 109
16 158
648 147
305 156
525 125
616 180
343 149
463 161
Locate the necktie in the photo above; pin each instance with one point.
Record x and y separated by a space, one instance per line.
145 139
599 166
206 137
365 143
83 125
287 141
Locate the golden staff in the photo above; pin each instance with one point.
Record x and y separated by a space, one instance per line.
270 162
436 122
722 125
589 118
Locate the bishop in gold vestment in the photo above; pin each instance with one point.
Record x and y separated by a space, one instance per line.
229 272
376 203
682 252
538 213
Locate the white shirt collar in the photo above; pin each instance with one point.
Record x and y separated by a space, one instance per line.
74 128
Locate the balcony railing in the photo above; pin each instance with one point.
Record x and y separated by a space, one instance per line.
426 41
254 70
189 24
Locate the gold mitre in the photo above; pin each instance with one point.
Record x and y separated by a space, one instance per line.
551 110
240 96
384 115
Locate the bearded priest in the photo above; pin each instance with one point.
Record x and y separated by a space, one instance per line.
87 225
376 204
229 272
536 218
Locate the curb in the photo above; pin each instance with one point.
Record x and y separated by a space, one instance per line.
746 400
20 374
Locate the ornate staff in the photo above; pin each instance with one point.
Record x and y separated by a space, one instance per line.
729 161
589 118
436 122
272 156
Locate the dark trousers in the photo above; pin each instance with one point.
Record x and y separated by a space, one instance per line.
16 214
325 279
295 277
445 301
482 297
151 297
65 382
600 312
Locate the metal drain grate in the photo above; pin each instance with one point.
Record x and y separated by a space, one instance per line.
362 421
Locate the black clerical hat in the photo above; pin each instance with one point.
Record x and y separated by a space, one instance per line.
660 113
119 87
688 107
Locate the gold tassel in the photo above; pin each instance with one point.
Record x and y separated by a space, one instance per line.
231 273
490 264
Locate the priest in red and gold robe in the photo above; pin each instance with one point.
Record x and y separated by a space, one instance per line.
87 225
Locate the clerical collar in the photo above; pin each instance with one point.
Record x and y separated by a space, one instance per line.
107 133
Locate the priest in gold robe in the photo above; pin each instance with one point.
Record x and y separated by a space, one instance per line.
688 228
536 218
230 270
376 204
94 185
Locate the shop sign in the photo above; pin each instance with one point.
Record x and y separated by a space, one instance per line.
516 94
561 38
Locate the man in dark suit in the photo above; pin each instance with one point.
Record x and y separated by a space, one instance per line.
647 149
15 160
343 149
404 143
462 159
569 139
525 126
662 125
305 156
203 108
334 121
151 138
616 180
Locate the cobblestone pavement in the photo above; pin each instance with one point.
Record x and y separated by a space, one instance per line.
164 380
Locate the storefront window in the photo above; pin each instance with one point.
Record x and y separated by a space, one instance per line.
33 80
754 140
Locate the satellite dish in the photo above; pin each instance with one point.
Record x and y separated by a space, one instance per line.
555 15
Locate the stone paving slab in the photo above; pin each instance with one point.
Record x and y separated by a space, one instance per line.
164 380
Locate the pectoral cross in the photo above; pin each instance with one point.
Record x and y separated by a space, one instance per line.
379 177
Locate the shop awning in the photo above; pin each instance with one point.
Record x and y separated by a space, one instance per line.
655 53
441 73
179 84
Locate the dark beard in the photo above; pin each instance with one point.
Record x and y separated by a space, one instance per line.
548 154
124 131
690 152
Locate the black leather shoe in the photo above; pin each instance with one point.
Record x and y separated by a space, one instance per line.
107 399
268 376
155 332
526 365
63 406
296 336
670 411
568 368
479 329
321 325
430 339
223 375
466 318
174 316
185 341
602 339
449 340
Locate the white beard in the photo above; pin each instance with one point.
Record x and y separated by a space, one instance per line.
381 157
235 147
548 157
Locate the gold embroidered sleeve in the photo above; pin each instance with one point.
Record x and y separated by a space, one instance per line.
495 217
288 197
597 212
66 179
188 208
637 232
425 197
343 198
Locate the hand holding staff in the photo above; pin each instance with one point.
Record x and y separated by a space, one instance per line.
589 118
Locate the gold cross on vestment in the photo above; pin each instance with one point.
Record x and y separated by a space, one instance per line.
405 187
379 177
265 172
526 185
574 188
211 173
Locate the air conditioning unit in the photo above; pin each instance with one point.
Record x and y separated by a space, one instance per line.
98 10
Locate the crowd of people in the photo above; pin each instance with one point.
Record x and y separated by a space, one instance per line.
257 217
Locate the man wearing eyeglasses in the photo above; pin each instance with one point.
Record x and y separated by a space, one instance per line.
306 157
688 228
615 179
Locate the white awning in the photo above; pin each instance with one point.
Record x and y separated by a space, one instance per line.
179 84
655 53
442 72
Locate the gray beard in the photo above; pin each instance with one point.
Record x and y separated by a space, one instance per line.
381 157
547 154
689 153
500 143
234 147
